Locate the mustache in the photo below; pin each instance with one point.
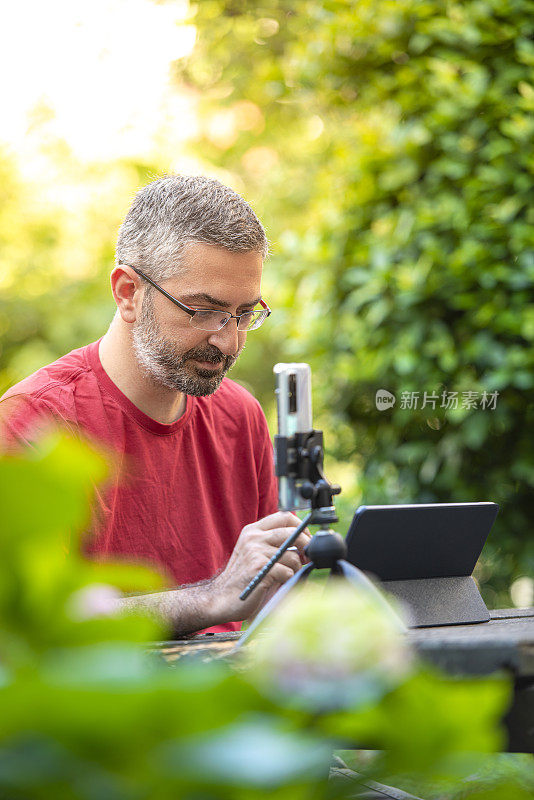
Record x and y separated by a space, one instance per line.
211 354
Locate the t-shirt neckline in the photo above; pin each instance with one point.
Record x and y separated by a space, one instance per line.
160 428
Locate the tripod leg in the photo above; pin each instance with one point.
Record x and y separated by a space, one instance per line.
358 578
286 587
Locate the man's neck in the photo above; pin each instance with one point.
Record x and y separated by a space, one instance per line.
118 360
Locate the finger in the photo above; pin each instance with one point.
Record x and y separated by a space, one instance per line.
291 559
306 536
280 573
278 536
302 555
280 519
261 556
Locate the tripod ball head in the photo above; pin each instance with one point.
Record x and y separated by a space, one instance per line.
325 548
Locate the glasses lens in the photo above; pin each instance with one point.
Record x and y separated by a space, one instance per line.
209 320
251 320
215 320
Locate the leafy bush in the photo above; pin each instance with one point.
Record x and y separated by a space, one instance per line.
389 145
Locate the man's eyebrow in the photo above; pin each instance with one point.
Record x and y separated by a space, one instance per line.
203 297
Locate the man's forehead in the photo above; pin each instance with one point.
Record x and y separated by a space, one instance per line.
201 261
215 274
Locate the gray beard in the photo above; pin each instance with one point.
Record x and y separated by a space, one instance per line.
165 366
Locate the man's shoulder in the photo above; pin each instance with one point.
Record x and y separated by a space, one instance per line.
235 393
46 397
55 377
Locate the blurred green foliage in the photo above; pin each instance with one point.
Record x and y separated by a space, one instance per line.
57 242
389 146
88 713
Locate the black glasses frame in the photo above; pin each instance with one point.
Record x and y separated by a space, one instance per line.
192 311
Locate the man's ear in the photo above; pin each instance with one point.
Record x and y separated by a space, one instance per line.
127 292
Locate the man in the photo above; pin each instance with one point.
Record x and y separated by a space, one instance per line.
196 493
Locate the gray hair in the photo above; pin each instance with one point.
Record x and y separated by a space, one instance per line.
177 210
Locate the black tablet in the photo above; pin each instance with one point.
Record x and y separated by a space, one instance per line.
410 542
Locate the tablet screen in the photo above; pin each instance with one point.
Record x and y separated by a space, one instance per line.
406 542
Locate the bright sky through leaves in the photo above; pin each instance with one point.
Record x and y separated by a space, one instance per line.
93 74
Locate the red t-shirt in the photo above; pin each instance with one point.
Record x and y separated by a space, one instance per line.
185 490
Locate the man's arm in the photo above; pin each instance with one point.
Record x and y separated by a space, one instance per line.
216 600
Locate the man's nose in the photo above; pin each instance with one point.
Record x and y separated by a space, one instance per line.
227 338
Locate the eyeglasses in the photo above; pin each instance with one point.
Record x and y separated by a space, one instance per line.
211 320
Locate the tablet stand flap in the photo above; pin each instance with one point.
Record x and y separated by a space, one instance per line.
439 601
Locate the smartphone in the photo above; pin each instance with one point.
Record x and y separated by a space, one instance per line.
294 407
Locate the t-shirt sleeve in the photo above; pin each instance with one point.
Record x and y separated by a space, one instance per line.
25 420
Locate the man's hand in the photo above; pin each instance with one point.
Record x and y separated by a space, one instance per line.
216 601
256 545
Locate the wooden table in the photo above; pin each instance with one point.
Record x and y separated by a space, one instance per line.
506 642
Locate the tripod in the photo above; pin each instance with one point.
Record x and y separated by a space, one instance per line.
327 549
